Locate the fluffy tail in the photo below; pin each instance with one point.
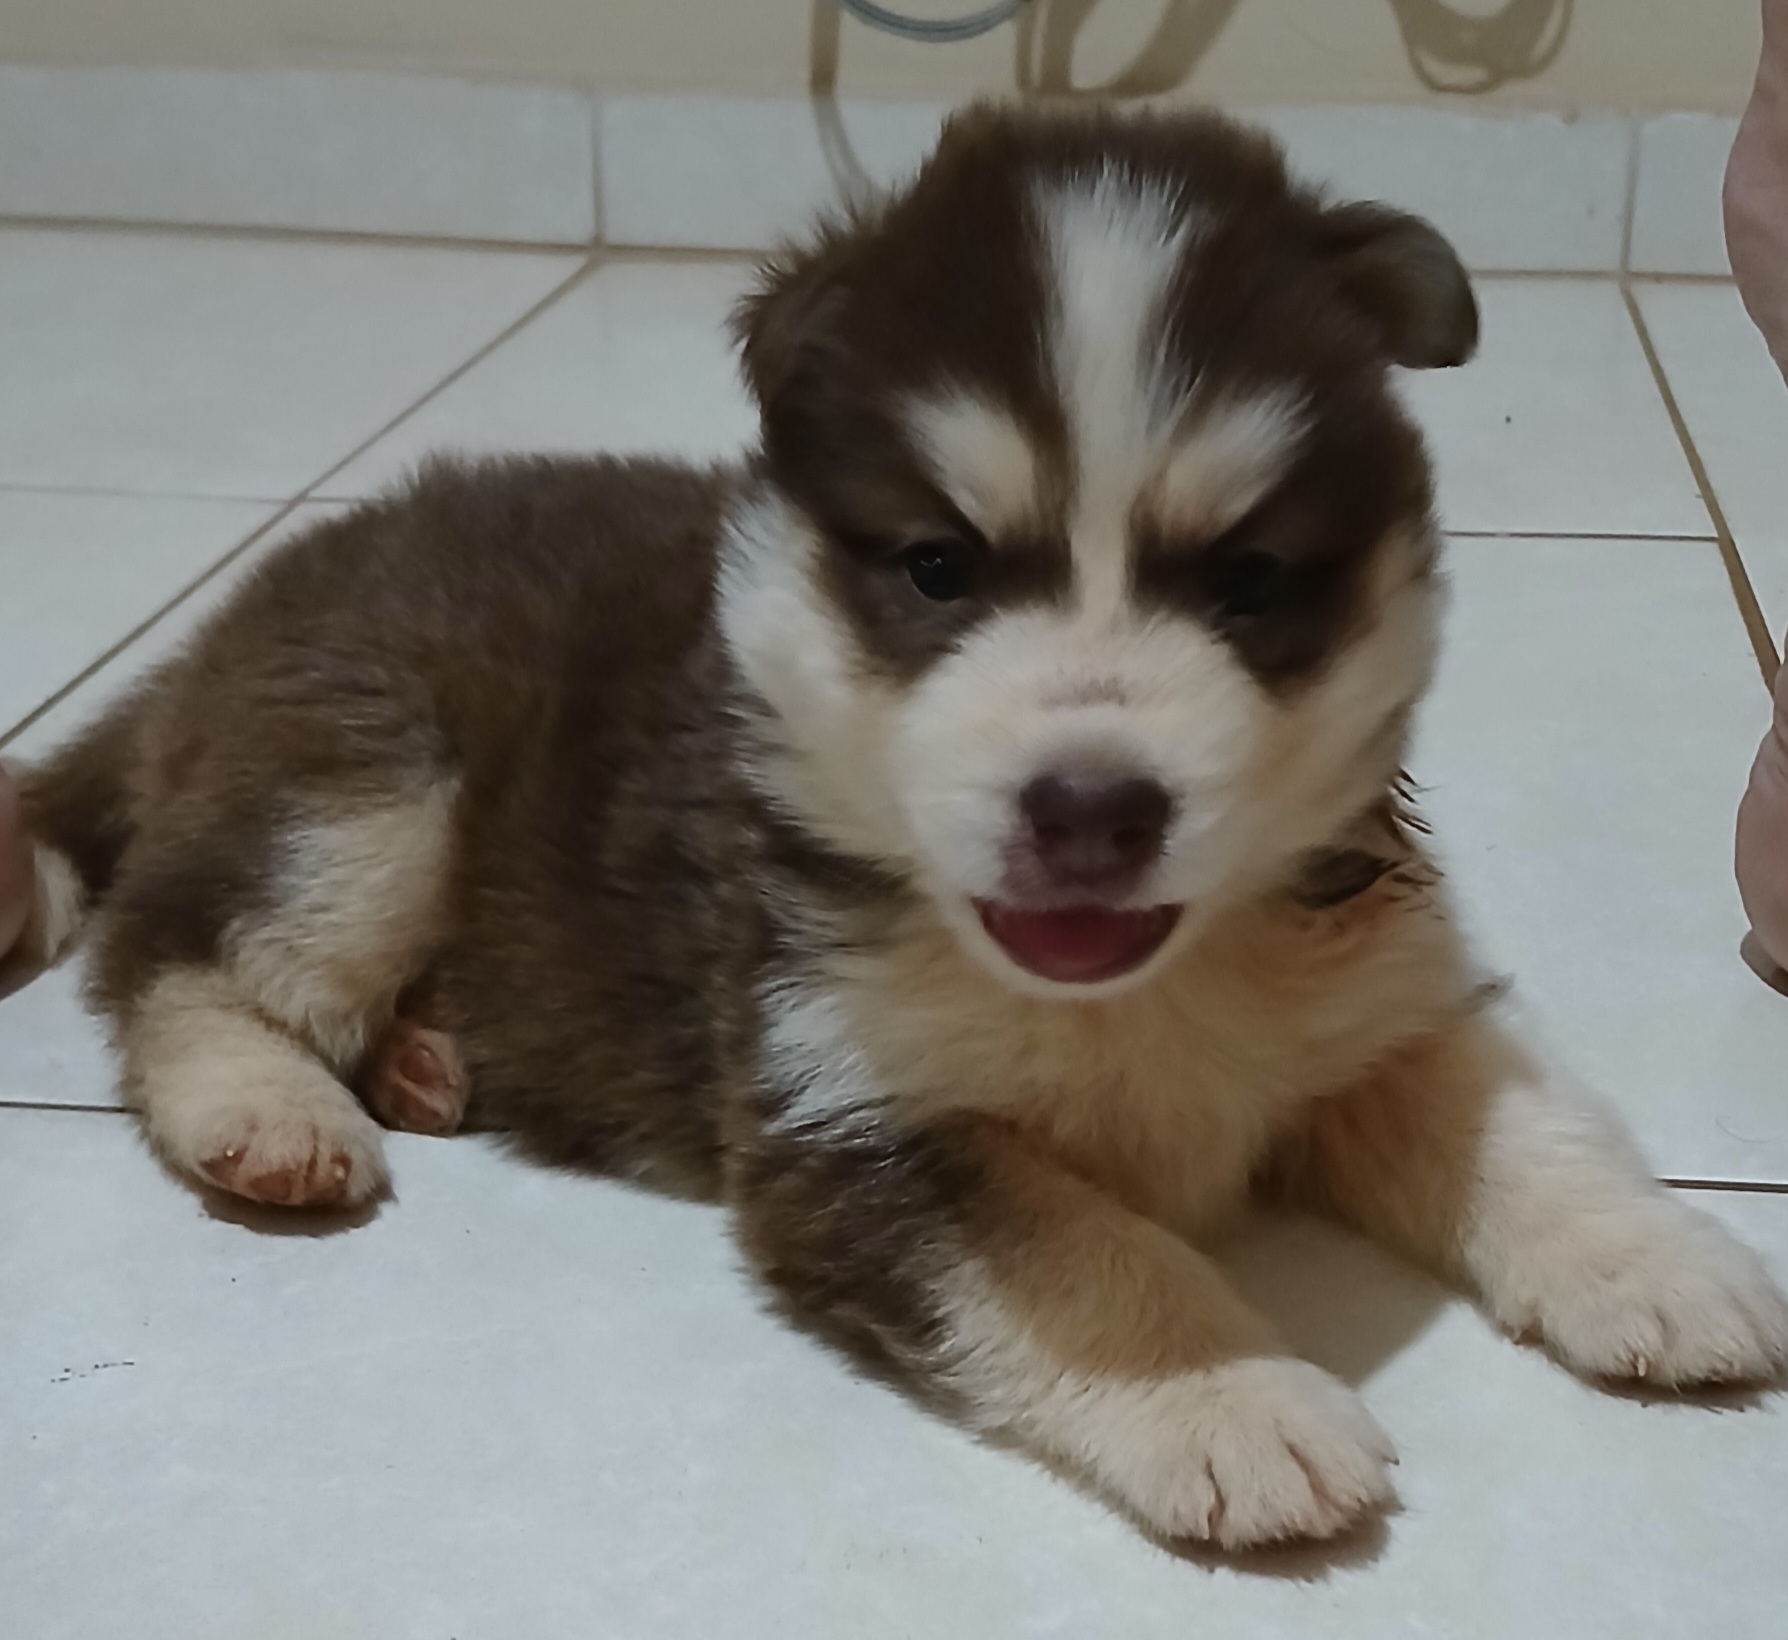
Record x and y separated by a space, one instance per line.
79 815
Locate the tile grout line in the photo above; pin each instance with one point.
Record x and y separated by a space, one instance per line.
282 512
1707 540
1641 276
1750 611
261 233
584 269
117 493
1733 1187
1550 276
51 1104
598 194
1629 197
592 260
253 233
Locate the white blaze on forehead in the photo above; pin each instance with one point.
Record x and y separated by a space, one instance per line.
1234 450
1114 242
980 456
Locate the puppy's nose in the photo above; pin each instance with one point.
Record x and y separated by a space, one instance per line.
1095 830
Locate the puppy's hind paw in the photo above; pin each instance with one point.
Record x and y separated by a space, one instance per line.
414 1080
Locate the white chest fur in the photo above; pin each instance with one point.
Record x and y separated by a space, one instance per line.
1167 1096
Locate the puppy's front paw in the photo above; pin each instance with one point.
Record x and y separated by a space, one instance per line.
1661 1294
290 1136
1250 1452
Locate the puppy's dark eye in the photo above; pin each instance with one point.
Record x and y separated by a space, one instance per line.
1242 582
943 570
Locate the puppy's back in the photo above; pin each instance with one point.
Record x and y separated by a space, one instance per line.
458 618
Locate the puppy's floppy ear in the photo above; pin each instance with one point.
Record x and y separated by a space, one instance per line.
783 324
1405 278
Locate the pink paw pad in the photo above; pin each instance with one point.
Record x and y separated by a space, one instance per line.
414 1080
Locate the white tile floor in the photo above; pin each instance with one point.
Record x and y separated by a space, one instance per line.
525 1404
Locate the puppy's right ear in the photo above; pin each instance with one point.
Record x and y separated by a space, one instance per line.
783 326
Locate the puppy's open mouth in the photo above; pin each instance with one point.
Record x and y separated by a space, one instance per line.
1078 945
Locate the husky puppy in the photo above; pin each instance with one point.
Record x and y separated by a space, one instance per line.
966 838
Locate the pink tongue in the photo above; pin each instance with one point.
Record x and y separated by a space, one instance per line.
1082 945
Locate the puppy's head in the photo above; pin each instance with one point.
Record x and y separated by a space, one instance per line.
1091 578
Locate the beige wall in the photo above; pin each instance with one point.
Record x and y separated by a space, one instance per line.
1616 53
